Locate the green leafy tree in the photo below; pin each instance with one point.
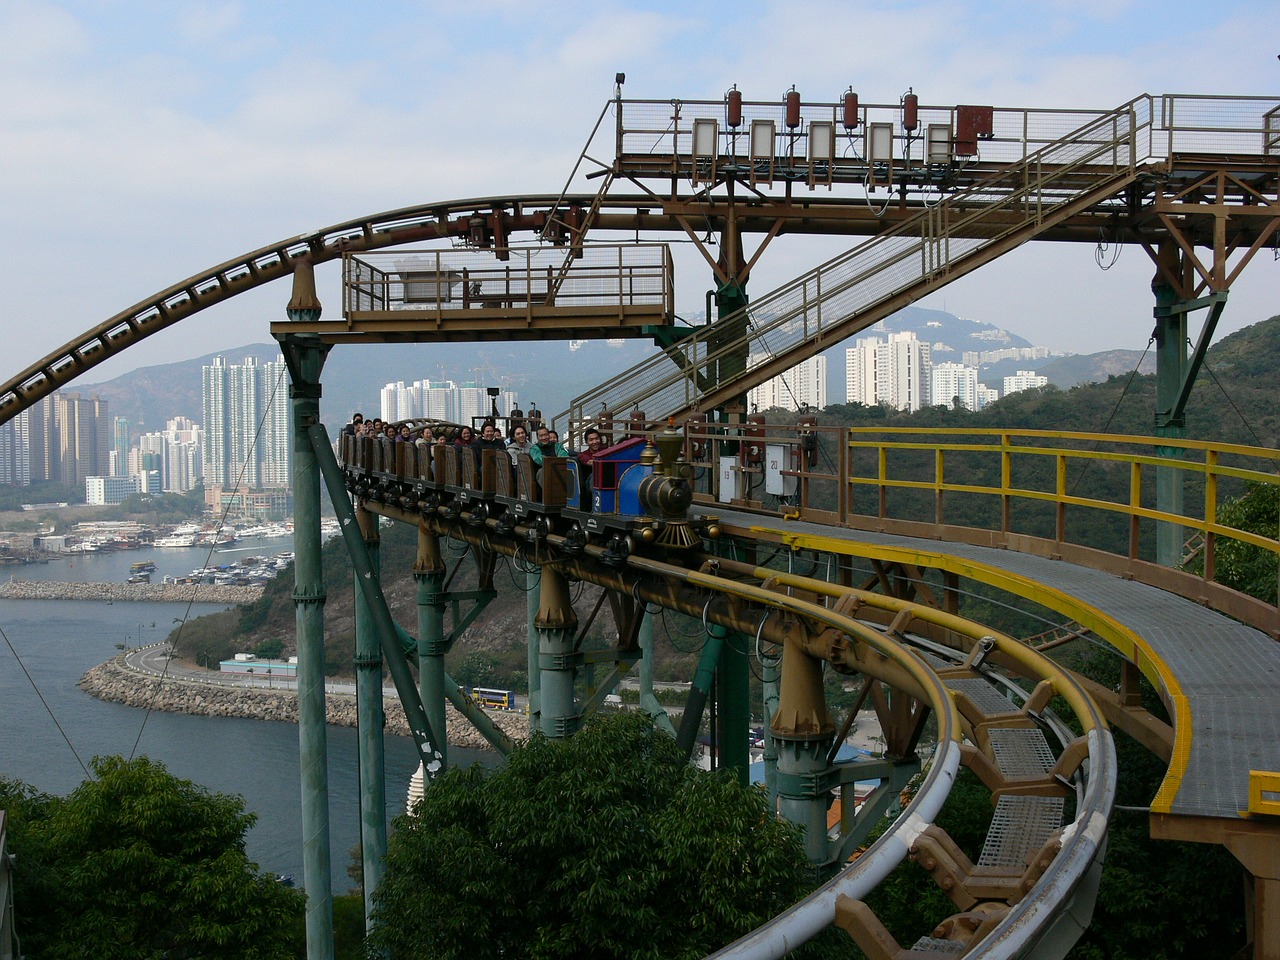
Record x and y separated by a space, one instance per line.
605 845
137 863
1243 566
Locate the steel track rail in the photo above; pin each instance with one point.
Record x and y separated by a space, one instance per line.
217 284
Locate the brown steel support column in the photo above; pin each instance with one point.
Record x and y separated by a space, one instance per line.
1261 858
428 574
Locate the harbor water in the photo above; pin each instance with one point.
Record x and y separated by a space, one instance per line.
57 641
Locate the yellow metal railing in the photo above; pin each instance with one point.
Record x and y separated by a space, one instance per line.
1060 456
1087 497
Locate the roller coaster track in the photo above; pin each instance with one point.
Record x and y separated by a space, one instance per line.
1033 884
234 277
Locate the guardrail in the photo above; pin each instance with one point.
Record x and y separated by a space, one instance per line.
824 129
873 279
1086 497
435 281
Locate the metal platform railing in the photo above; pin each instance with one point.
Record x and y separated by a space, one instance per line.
1088 498
656 136
841 296
441 281
1041 186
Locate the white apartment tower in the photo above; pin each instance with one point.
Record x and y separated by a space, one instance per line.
895 373
803 386
246 424
440 400
1023 380
950 382
15 450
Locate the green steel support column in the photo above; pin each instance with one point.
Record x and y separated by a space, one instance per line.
802 798
733 677
804 730
428 572
648 702
557 662
770 683
703 679
370 722
390 635
1170 421
733 707
533 595
305 356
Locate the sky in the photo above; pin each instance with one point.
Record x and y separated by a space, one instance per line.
143 141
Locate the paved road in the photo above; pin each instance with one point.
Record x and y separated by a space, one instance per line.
156 660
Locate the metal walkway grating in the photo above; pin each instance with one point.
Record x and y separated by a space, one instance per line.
935 662
936 946
1021 752
1019 828
1228 671
983 695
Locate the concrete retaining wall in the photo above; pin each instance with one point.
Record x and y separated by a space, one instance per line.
115 682
154 592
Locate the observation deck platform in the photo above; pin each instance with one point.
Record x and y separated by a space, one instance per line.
1219 677
536 293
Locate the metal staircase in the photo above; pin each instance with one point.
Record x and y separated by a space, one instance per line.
718 362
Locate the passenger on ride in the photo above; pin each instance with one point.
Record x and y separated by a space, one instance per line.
352 428
405 433
489 439
466 438
546 447
595 443
519 443
555 438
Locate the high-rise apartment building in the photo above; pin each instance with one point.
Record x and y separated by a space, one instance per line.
440 400
804 386
83 438
1023 380
119 446
954 384
895 373
15 450
246 424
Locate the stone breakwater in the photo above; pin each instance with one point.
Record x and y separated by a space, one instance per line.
115 682
152 592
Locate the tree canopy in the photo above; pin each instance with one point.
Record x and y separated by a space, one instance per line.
608 844
137 863
1240 565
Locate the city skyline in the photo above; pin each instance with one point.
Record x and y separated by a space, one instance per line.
104 150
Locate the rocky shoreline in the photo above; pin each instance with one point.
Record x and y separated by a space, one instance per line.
115 682
152 592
